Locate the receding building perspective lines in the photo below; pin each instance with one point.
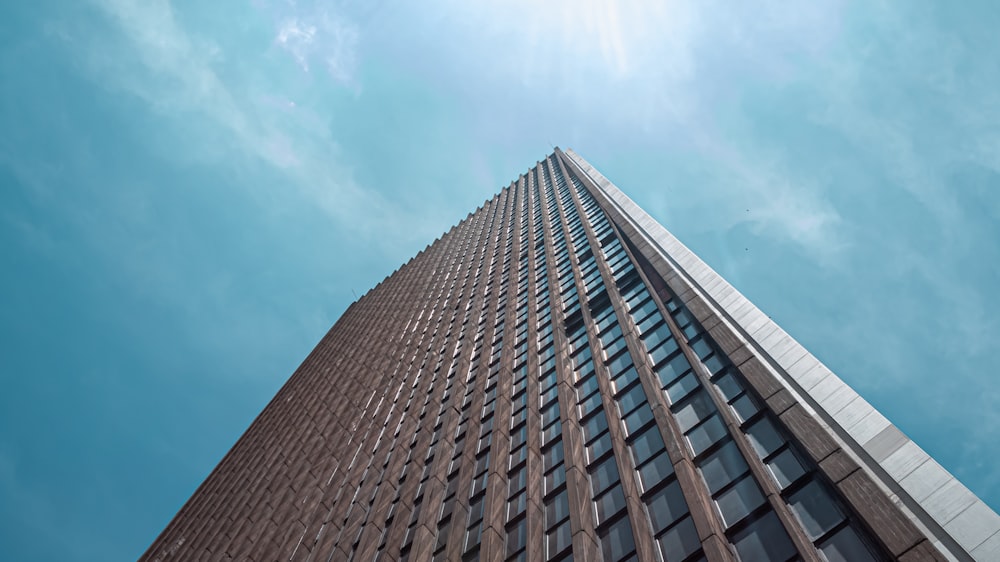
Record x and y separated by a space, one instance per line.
558 378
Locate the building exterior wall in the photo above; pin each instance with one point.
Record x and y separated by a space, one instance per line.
558 378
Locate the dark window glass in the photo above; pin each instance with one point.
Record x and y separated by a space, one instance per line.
637 419
680 541
555 478
600 446
609 504
658 334
517 536
558 540
785 468
701 347
653 472
624 379
589 404
647 444
587 386
517 481
669 371
666 506
619 364
738 501
845 546
696 408
617 541
631 399
723 466
556 509
516 505
552 456
594 426
665 350
745 407
764 539
682 387
729 386
604 475
764 437
815 509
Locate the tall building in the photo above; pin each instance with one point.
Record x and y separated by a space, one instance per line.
557 378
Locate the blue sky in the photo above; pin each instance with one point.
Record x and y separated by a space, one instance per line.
192 192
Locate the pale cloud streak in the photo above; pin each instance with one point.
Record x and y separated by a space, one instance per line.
177 75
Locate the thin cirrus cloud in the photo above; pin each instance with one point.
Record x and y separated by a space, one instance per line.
174 71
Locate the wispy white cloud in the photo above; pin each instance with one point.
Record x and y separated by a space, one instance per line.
176 73
314 36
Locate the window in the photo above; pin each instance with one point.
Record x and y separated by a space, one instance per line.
617 541
764 539
666 506
723 466
609 503
604 475
738 501
680 541
845 546
815 509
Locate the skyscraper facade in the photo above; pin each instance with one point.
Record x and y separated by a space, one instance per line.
558 378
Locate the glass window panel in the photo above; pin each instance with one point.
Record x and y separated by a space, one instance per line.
516 505
589 404
764 539
644 309
551 432
556 509
683 317
745 407
666 506
669 371
737 502
476 510
723 466
715 363
609 503
555 478
665 350
684 386
558 540
785 468
620 363
600 446
594 426
586 386
680 541
655 471
701 347
845 546
637 419
764 437
647 444
696 408
705 435
517 536
729 386
604 475
631 399
615 347
617 541
624 379
552 456
517 481
815 509
657 334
